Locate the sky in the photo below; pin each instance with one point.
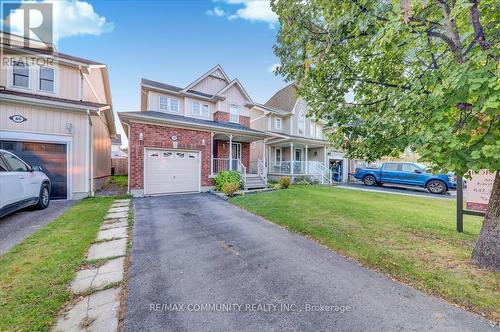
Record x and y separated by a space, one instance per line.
171 41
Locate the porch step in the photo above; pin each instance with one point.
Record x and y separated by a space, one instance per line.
253 181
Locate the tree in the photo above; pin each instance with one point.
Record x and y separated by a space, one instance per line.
394 74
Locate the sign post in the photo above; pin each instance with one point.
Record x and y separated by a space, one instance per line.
478 194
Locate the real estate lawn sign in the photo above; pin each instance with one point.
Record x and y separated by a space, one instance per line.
479 189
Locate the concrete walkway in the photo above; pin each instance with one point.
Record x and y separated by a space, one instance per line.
100 281
202 264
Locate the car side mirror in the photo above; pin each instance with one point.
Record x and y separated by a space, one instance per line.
418 171
36 169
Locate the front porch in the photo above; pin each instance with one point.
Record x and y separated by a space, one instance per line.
232 153
297 159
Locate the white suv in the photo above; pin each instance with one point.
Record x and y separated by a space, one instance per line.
21 185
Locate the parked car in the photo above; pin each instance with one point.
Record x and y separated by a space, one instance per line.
21 185
412 174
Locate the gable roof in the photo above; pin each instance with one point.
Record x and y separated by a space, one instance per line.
238 84
284 99
159 85
174 119
208 73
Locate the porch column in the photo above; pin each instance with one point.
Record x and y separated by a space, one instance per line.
325 158
307 166
292 155
230 152
211 153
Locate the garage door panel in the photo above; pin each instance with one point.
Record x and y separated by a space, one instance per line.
51 157
171 171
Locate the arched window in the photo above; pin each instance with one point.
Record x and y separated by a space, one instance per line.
302 123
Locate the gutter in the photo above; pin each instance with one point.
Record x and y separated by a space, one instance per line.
191 125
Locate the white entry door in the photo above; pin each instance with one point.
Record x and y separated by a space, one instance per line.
171 171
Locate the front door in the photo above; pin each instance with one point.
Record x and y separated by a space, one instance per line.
236 155
297 168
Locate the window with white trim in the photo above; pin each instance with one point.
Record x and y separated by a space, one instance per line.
199 109
301 125
21 75
234 113
278 123
168 104
46 79
312 127
319 131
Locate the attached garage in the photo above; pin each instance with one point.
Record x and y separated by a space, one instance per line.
171 171
52 157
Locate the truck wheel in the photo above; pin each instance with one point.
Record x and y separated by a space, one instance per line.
436 187
369 180
44 198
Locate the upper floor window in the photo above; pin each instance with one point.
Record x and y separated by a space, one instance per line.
278 123
46 81
301 123
21 75
312 128
319 132
200 109
169 104
234 113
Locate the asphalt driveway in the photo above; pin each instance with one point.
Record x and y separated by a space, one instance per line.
15 227
201 264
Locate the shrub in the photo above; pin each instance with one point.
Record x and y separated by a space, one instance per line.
229 188
302 180
284 182
277 186
226 177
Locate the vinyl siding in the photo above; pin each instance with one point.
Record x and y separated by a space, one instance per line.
234 96
210 85
53 122
101 147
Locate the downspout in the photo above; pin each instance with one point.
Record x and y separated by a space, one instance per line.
91 154
128 159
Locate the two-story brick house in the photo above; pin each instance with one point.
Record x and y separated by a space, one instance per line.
298 147
183 136
56 112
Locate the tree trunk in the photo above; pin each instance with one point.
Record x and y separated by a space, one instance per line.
487 251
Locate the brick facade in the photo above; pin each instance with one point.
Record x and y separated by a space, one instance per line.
155 136
221 150
224 117
221 116
245 121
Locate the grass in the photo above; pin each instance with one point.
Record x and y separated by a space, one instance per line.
120 180
408 238
34 275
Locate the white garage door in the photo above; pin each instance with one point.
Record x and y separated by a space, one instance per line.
171 171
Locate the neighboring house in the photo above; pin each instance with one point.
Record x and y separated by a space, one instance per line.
116 147
184 136
56 114
299 147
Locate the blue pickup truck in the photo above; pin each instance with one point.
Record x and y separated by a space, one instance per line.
407 174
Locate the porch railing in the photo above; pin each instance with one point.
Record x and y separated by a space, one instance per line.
262 170
315 169
222 164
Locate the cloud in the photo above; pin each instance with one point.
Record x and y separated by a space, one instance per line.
273 67
70 18
252 10
217 11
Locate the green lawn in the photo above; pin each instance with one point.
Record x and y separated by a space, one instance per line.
120 180
411 239
35 275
